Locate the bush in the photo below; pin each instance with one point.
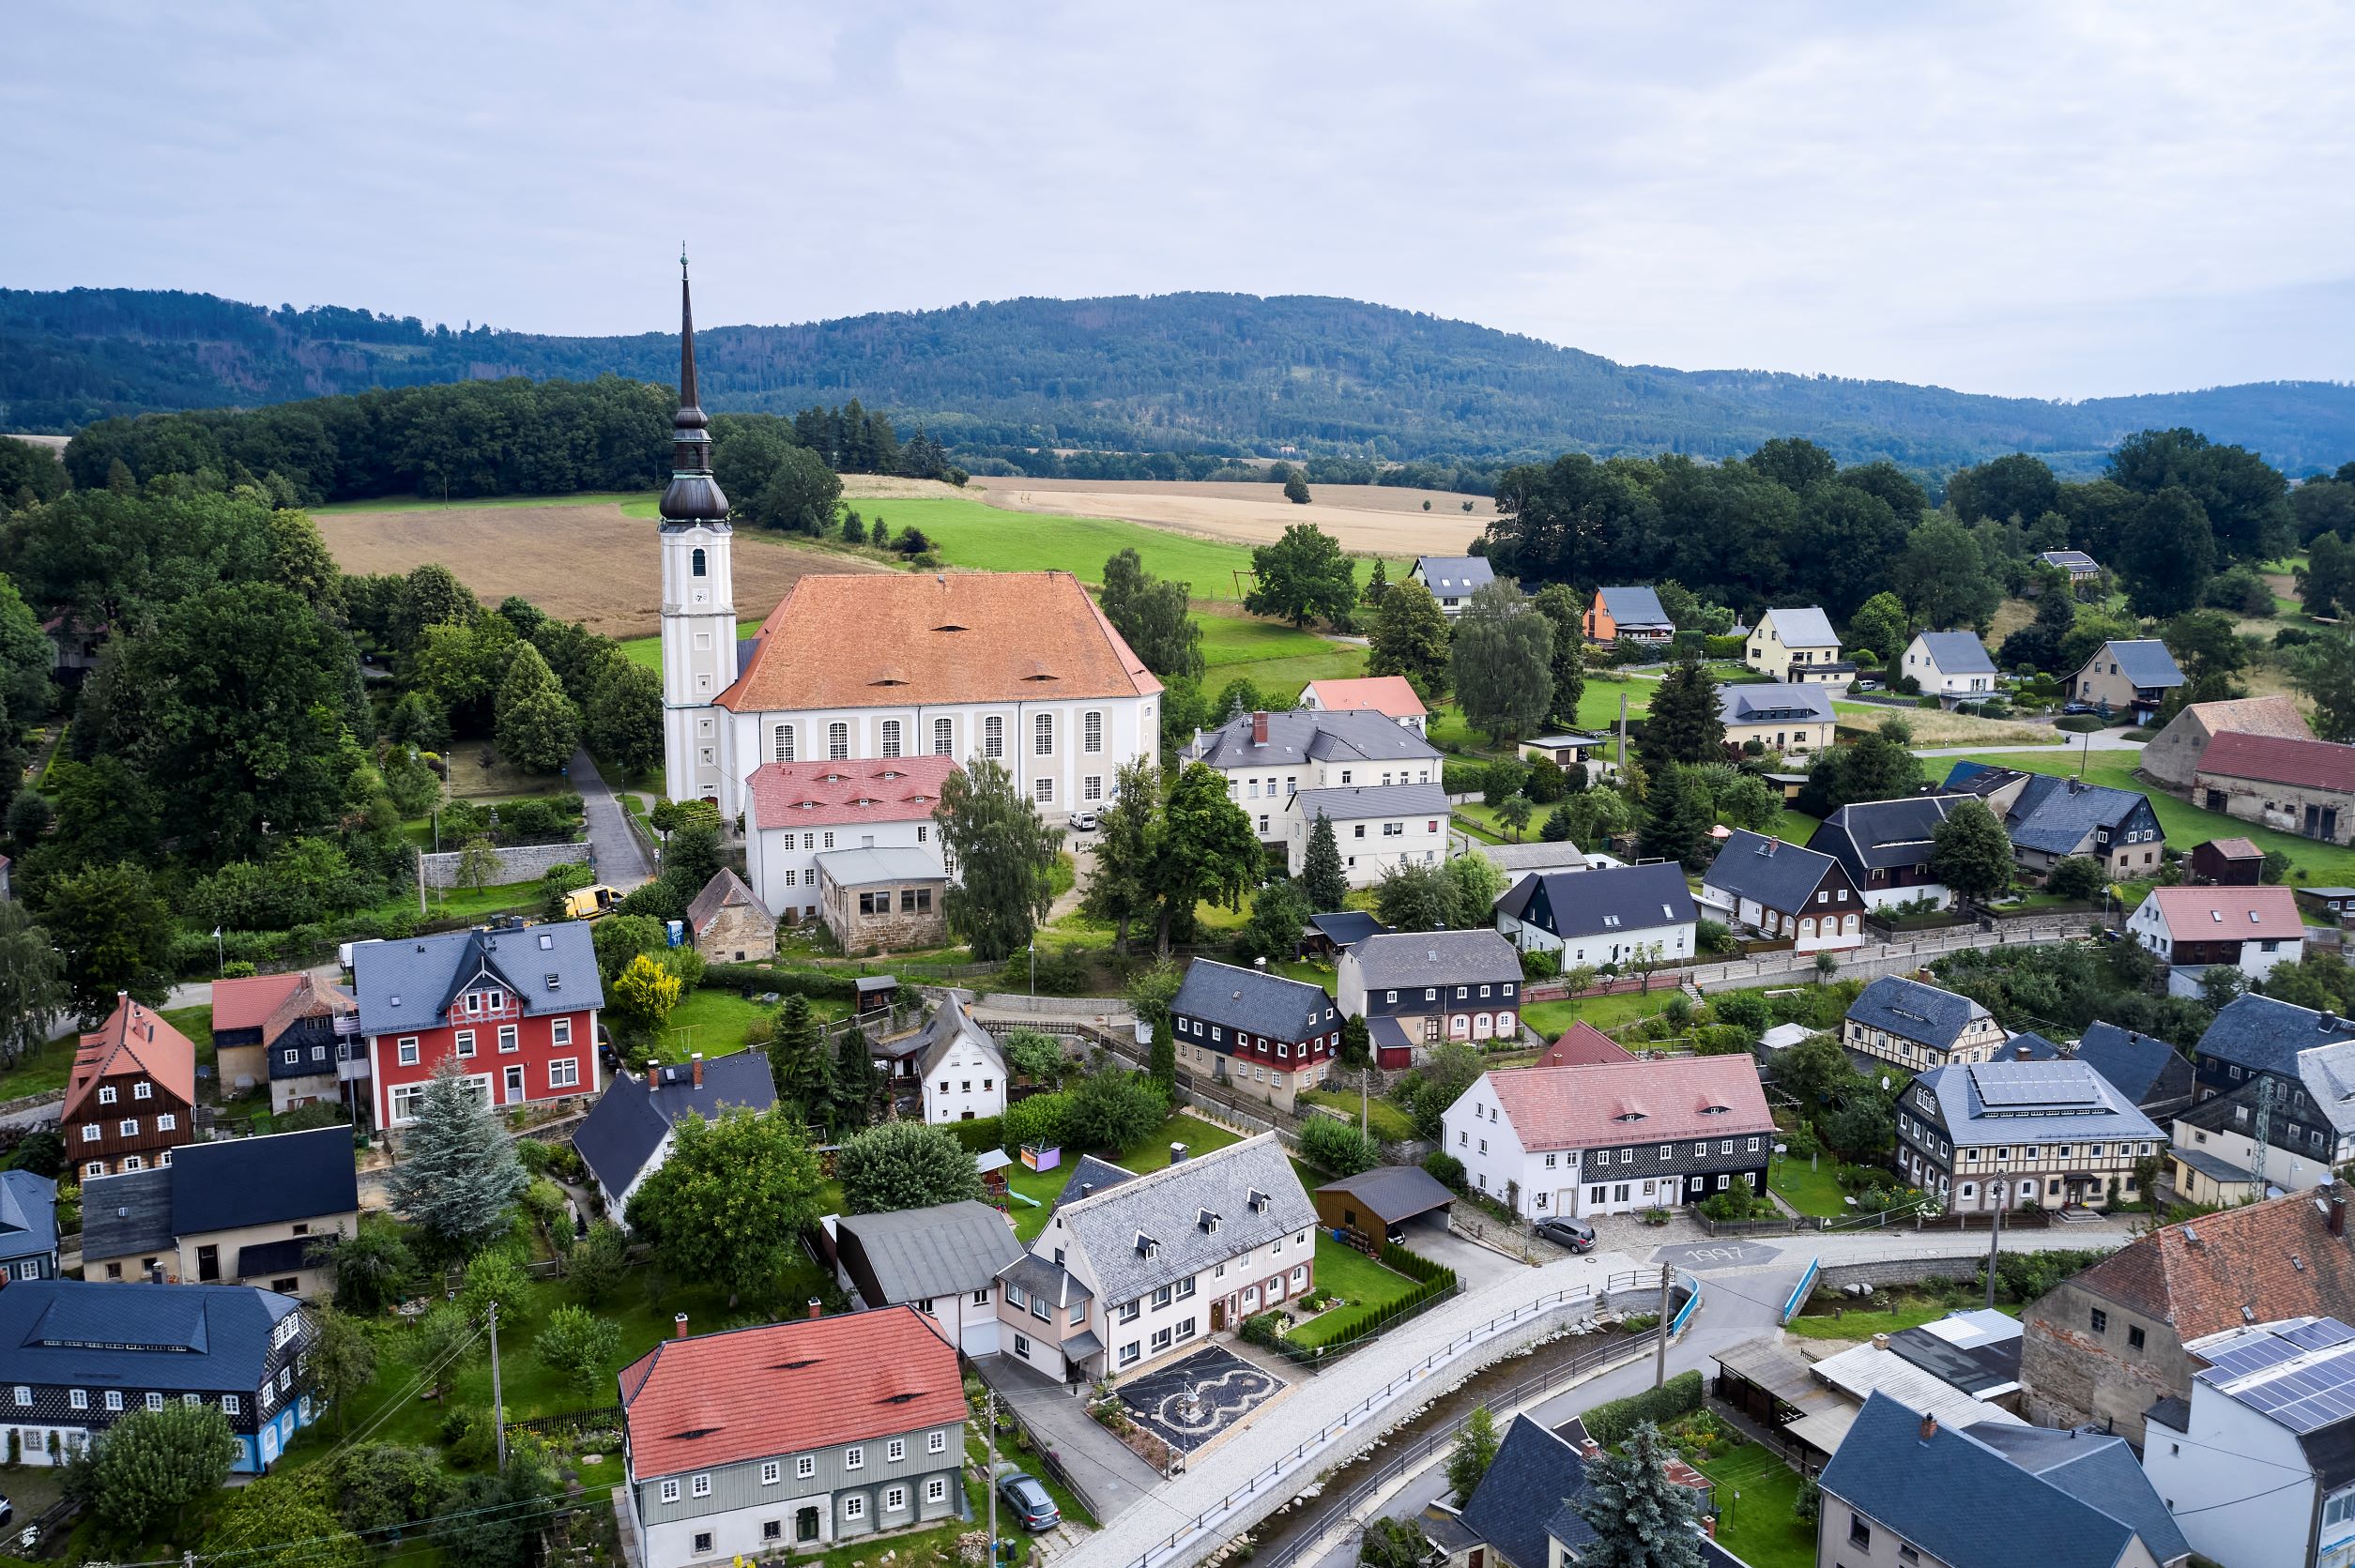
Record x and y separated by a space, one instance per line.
1540 963
980 1134
1262 1328
1461 778
1445 1169
1724 648
1337 1147
1041 1119
1906 686
816 984
2077 877
1735 1203
1614 1421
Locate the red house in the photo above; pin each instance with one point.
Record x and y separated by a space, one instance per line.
517 1008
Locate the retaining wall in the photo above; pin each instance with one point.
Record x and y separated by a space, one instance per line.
517 862
1903 1271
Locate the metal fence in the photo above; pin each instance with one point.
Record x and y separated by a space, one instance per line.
1804 1288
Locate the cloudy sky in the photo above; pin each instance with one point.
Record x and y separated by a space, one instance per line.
2059 200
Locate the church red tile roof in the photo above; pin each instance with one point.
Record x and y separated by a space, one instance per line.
831 793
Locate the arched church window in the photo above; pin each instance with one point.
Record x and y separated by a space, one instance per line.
838 741
784 745
698 563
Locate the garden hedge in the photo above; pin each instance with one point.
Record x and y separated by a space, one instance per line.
1611 1422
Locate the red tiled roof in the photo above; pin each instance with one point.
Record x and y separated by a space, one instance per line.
2273 759
755 1393
2237 849
893 640
1588 1105
1392 695
247 1004
132 1040
2276 1260
829 794
2229 914
1583 1046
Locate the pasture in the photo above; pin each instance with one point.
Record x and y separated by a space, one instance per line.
1368 519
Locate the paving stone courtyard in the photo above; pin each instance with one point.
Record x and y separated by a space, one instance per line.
1188 1403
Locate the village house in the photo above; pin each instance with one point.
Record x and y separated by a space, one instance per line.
2082 568
1635 614
28 1226
1987 1134
1269 760
1582 1044
1416 988
2174 754
884 900
2252 1036
1525 1512
962 1072
794 811
791 1436
253 1211
2305 787
2154 1077
1886 848
2131 677
1612 1138
516 1010
2270 1069
2050 819
1514 860
130 1094
1390 696
1377 827
1918 1025
1615 917
2232 864
1452 579
727 922
2192 930
245 1014
1128 1275
943 1260
81 1355
1263 1034
2107 1345
1795 720
628 1134
1952 667
1798 645
1782 890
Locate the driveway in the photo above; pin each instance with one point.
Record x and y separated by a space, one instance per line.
1114 1479
1474 1265
619 859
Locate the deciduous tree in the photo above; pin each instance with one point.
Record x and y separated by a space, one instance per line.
732 1200
642 997
1560 605
1971 853
1501 663
1303 577
152 1463
904 1165
115 933
1474 1451
1154 617
1004 859
343 1361
582 1345
1120 888
2324 670
1113 1111
1410 638
1204 849
33 989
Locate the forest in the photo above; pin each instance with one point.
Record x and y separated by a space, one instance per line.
1187 373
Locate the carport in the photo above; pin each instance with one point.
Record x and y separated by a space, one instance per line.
1366 1206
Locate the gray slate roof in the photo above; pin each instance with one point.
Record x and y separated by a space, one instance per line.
1253 1000
1526 1495
1169 1208
1584 903
1362 803
126 1214
1872 834
1918 1012
2144 660
1038 1277
1346 927
1774 701
2095 1469
635 1114
725 887
2260 1033
229 1183
1301 735
1537 856
190 1338
1635 607
1394 1193
1777 874
1941 1495
409 983
1804 626
1091 1176
2033 1102
916 1254
2141 1068
1957 652
949 1024
1457 576
1427 958
2051 813
28 1215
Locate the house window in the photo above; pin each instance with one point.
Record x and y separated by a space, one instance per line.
231 1404
1091 732
114 1399
406 1098
837 741
106 1095
1860 1533
168 1122
804 1467
24 1395
405 1050
943 736
895 1450
854 1458
936 1490
465 1039
155 1401
781 746
891 738
2133 1337
561 1033
670 1491
702 1543
936 1442
2101 1321
508 1039
1129 1353
773 1530
700 1486
129 1127
895 1499
770 1472
854 1507
564 1074
993 736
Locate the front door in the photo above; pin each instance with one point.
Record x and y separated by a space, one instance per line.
1217 1316
208 1264
514 1085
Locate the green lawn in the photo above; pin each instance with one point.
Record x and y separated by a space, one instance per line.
1855 1325
1758 1525
1794 826
1150 1153
1382 1117
469 503
1598 711
644 650
1605 1013
1357 1279
1809 1191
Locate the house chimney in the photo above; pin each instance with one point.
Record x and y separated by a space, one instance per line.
1880 1342
695 1062
1177 1153
1928 1427
1708 1525
1260 963
653 1072
1259 728
678 1326
815 1310
2338 1215
2020 1053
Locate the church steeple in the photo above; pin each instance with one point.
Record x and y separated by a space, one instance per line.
692 494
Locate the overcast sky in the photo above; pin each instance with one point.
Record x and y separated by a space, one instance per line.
2052 200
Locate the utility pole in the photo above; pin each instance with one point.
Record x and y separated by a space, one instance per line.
498 1407
1660 1345
1364 1073
989 1482
1623 729
420 885
1995 1240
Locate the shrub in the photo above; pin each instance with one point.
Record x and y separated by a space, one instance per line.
1262 1328
2077 877
1735 1203
1540 963
1338 1147
1461 778
2080 724
1906 686
1611 1422
1041 1119
1445 1169
1724 648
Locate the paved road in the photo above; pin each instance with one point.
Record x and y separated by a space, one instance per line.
621 861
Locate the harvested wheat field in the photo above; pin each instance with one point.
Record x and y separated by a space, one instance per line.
582 562
1368 519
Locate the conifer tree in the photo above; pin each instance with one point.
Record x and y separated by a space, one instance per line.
855 1082
1684 725
799 1064
1321 874
537 726
457 1171
1678 816
1641 1519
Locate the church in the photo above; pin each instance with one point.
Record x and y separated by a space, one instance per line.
1019 668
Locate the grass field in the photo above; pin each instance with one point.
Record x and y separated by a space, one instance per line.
1605 1013
1909 1310
1754 1494
1150 1153
1384 1119
1357 1279
1811 1191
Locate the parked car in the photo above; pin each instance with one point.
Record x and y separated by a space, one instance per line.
1563 1231
2075 708
1084 822
1033 1508
1868 685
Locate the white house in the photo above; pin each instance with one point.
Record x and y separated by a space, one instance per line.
2194 929
1953 667
1377 828
2255 1467
1452 579
1795 644
1611 915
1612 1138
627 1135
963 1071
942 1261
795 812
1268 758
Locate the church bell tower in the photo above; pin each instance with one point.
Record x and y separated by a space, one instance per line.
699 598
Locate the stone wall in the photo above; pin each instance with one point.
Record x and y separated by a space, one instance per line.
2074 1373
739 934
1902 1271
517 862
2250 800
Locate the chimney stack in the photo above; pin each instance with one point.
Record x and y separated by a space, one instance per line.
1880 1342
679 1325
653 1072
2020 1053
1177 1153
1928 1427
1258 729
2339 1214
695 1062
815 1310
1708 1525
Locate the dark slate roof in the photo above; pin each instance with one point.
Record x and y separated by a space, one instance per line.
232 1182
1427 958
2144 660
914 1254
1876 834
127 1213
1392 1192
1345 927
1957 652
2261 1033
2094 1468
1039 1276
2033 1102
1941 1494
193 1338
409 983
1774 702
2052 814
1091 1173
1635 607
1915 1010
1607 899
1777 874
951 1023
2144 1069
1303 734
28 1215
1252 999
634 1116
1168 1206
1362 802
1455 575
1526 1495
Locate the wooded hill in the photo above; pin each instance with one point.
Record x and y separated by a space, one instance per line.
1186 373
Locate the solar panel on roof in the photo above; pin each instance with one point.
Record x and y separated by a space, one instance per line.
2034 1084
2320 1333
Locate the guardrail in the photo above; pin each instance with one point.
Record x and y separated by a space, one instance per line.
1805 1287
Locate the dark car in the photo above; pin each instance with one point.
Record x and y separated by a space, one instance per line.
2074 709
1033 1508
1576 1234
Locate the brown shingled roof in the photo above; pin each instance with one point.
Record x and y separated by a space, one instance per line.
2259 1264
2269 759
2274 716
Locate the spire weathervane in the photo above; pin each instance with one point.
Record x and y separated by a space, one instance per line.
694 496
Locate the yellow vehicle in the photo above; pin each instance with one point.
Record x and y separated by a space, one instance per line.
587 903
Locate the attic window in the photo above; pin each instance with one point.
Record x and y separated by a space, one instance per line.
950 627
1259 1201
2218 916
396 998
1714 1110
887 680
1208 1221
2255 919
794 1367
1146 1245
1628 1115
900 1398
693 1432
546 943
555 981
1611 921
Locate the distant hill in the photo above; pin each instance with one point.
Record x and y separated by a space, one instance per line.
1211 372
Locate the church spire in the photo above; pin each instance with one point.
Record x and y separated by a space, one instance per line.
692 494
